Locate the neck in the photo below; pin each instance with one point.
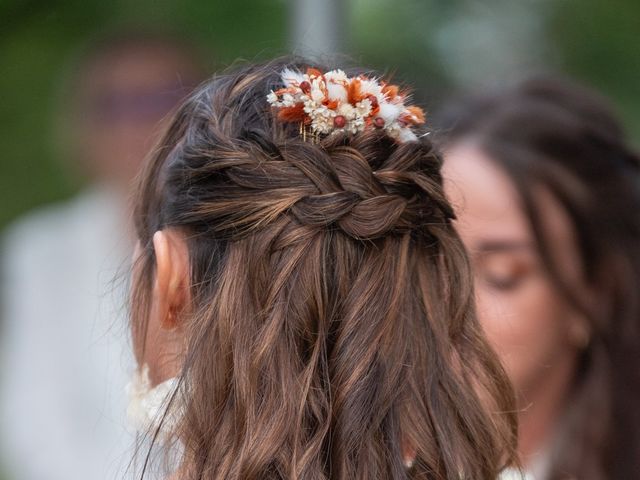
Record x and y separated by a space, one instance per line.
542 407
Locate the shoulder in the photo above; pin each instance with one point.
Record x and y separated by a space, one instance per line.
39 232
49 236
56 226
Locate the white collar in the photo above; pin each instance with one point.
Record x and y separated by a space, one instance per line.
147 404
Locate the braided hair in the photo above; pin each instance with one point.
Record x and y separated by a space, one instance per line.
334 327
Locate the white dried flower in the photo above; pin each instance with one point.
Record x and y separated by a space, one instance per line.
393 130
337 76
292 78
363 108
405 134
389 112
317 90
288 100
371 87
272 98
347 111
336 91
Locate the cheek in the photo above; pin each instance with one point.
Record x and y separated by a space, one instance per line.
527 327
116 152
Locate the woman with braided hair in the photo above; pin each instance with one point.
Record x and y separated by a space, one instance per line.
301 305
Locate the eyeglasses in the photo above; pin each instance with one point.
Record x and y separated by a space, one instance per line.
134 106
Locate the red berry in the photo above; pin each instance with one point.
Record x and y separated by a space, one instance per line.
305 87
374 101
339 121
379 122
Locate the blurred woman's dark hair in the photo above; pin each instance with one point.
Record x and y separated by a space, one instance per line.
333 326
551 134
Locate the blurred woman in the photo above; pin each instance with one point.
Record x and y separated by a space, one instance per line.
547 194
300 296
64 366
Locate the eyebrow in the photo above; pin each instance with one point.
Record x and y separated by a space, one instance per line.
489 246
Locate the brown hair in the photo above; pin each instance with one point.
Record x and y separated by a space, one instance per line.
334 321
553 134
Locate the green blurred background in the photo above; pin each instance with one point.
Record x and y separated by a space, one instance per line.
440 46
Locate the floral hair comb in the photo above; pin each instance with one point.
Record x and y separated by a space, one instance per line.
332 102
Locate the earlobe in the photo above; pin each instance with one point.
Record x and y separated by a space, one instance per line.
408 454
579 334
171 286
163 345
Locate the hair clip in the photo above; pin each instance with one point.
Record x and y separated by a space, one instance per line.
331 102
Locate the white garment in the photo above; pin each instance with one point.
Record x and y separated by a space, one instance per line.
513 474
65 349
150 407
537 468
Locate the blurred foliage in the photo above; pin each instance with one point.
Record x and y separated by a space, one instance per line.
592 40
599 43
37 38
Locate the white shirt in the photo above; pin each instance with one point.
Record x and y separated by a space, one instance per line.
65 349
536 469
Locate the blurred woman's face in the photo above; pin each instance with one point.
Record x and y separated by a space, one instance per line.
526 319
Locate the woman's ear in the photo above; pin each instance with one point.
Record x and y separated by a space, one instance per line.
579 332
171 289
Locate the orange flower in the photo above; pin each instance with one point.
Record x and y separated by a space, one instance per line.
313 72
417 115
390 91
331 104
354 93
293 114
282 91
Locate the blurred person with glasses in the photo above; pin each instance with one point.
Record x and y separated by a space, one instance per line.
64 352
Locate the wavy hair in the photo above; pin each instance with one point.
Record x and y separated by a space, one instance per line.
333 326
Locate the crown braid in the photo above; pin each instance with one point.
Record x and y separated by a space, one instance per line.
241 177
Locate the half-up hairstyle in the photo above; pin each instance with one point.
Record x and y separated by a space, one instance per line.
333 328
